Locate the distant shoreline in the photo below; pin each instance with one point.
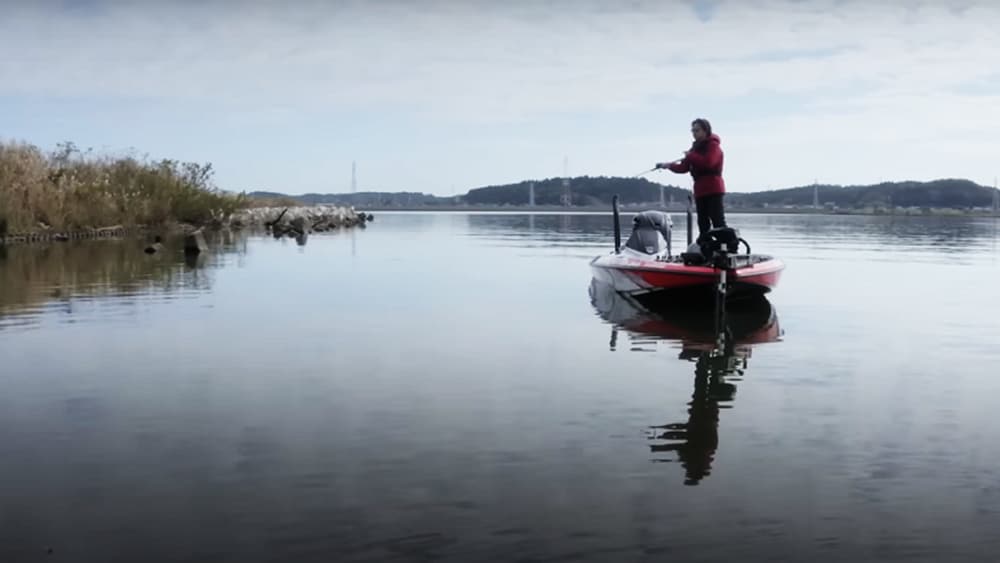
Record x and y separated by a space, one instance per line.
631 208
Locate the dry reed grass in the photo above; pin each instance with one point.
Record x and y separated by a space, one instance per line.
70 189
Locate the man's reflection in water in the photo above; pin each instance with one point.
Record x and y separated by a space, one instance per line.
696 440
719 358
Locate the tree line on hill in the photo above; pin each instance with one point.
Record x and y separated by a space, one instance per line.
946 193
587 191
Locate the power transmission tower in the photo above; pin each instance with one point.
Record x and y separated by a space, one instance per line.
567 195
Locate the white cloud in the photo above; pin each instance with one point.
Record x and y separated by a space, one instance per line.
483 56
877 74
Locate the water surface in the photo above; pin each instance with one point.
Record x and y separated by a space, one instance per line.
451 387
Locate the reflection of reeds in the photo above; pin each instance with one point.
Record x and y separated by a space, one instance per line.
31 276
70 189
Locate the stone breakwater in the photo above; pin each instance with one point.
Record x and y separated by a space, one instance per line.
299 221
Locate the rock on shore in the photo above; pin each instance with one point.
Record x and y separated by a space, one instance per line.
297 221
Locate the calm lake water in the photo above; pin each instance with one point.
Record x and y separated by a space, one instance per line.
450 387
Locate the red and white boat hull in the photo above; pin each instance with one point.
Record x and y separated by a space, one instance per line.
632 273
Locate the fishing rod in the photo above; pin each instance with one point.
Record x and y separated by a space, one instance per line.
653 169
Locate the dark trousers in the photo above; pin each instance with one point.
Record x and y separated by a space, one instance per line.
710 214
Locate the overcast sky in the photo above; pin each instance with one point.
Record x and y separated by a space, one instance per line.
443 96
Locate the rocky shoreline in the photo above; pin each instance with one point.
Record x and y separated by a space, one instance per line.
300 221
279 221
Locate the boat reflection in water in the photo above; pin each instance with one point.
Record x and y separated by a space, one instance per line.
719 350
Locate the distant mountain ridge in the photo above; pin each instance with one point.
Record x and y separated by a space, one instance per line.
587 191
393 199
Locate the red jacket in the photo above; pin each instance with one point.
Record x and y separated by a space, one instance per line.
704 162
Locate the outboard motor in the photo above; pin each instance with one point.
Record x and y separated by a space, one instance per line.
650 232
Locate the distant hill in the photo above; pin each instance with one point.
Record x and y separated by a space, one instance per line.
583 191
947 193
586 191
361 199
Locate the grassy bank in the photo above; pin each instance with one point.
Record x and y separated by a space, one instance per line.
69 189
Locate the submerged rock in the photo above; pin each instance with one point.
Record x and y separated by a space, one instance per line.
298 224
155 247
194 243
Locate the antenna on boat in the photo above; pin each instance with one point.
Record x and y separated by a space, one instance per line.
618 232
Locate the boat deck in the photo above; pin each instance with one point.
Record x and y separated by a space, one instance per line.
734 260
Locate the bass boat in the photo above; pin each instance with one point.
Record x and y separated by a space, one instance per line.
712 266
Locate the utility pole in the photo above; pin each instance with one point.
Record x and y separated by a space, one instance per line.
531 194
567 195
354 177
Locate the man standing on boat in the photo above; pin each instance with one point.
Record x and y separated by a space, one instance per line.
704 162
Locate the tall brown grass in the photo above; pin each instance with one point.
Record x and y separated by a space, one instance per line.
71 189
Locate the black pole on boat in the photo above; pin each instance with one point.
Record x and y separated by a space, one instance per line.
618 231
721 291
690 226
